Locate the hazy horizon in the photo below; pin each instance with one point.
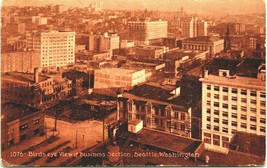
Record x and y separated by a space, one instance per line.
191 6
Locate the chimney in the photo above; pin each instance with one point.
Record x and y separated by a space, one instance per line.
206 74
36 75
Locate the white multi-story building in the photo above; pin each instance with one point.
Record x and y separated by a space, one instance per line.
230 104
193 27
56 48
117 77
104 43
142 31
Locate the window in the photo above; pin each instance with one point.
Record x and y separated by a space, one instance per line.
244 117
216 104
243 125
175 125
234 90
156 121
225 122
225 141
253 101
208 87
234 98
208 94
225 105
208 111
262 94
216 96
243 108
253 119
176 115
262 111
234 123
244 100
243 92
208 103
216 140
23 127
234 115
216 88
262 129
253 109
207 138
253 127
216 112
262 120
208 118
233 131
216 128
182 117
225 130
162 112
225 114
234 107
36 122
216 120
263 103
225 89
182 127
253 93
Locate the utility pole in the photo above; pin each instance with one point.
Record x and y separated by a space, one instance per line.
76 139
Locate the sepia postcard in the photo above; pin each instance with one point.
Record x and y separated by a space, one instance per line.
133 83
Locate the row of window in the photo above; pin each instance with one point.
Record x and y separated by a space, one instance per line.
235 91
243 117
234 115
216 140
233 107
25 126
234 124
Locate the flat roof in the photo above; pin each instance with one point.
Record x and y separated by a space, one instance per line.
13 111
249 143
23 77
203 39
236 81
116 71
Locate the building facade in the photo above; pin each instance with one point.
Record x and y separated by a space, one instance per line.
230 104
21 61
204 43
150 52
57 49
194 27
33 89
18 123
141 32
117 77
155 114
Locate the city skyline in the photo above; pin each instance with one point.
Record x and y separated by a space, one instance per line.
191 6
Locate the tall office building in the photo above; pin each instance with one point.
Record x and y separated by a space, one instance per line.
56 48
104 43
232 100
193 27
141 32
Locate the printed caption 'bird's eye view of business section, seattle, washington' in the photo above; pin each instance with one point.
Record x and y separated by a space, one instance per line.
133 83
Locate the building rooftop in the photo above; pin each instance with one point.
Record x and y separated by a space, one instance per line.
163 140
203 39
236 81
249 67
13 111
23 77
157 94
180 53
249 143
224 63
116 71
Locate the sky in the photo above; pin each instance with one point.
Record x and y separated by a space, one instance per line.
190 6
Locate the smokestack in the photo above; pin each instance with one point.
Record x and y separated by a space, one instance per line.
206 74
36 80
